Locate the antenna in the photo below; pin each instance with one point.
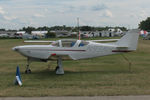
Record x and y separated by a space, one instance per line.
78 28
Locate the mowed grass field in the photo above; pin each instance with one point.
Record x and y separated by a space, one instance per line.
102 76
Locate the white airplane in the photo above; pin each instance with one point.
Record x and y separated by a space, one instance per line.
76 49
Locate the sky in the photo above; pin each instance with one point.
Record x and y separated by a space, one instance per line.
15 14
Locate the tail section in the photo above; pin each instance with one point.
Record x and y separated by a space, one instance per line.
129 41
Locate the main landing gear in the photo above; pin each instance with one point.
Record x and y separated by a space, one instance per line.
59 69
28 70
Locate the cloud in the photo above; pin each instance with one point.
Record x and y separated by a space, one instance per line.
106 13
9 18
39 16
2 11
4 15
60 12
99 7
84 7
143 14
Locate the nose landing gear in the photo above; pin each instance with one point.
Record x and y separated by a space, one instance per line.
28 70
59 69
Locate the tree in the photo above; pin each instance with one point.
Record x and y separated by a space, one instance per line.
45 28
50 35
86 28
2 29
145 24
28 29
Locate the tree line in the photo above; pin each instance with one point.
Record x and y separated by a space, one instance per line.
67 28
145 24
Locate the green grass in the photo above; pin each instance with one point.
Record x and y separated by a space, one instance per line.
107 75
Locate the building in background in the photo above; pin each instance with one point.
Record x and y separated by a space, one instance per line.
7 34
61 33
107 33
19 34
41 34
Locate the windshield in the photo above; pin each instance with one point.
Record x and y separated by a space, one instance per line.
83 43
56 44
68 43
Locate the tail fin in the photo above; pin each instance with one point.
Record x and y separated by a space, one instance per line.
130 40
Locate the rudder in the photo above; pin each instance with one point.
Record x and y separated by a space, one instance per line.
129 40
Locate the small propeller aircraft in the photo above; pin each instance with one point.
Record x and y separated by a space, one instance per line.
145 35
76 49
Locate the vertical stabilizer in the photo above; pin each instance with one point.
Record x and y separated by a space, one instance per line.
130 40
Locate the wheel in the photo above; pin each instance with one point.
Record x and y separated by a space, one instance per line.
28 71
56 68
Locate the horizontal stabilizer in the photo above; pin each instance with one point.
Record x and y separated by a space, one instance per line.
105 40
122 47
38 41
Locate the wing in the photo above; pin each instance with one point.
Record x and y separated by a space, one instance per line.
39 41
105 40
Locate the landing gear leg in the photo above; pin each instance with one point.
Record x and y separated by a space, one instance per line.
59 69
28 71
